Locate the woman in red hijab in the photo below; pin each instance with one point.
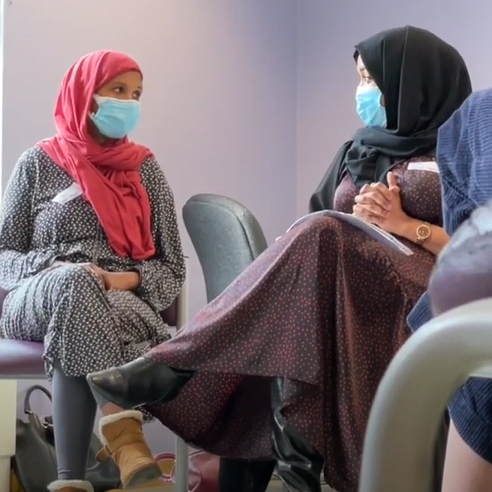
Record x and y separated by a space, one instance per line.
90 253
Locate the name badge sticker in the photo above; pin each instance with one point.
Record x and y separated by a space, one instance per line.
69 194
430 166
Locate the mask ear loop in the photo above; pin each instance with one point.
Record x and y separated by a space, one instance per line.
94 98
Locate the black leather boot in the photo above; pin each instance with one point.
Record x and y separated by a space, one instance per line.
299 465
139 382
244 476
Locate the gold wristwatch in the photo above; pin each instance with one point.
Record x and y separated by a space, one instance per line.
423 232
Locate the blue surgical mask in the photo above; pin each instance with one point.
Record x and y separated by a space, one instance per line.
116 118
369 109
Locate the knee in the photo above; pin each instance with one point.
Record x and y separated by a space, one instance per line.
324 223
320 228
72 276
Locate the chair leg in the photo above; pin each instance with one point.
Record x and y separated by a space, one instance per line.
440 453
8 411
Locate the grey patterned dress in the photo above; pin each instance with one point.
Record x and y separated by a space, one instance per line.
84 326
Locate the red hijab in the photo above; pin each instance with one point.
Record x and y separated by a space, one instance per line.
108 175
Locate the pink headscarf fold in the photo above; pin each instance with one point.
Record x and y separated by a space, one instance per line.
108 175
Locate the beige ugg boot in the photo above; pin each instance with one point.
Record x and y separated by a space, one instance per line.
70 486
124 441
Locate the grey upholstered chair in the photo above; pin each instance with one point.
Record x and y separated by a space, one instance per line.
227 239
421 379
226 236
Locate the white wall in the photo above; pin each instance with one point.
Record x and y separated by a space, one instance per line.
219 97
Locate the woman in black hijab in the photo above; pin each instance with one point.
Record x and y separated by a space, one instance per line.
283 366
423 80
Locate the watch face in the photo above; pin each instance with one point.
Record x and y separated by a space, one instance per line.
423 231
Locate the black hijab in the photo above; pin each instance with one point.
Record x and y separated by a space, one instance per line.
423 80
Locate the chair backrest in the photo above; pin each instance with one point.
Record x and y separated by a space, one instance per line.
226 236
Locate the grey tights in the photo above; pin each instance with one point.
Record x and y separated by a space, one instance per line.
74 412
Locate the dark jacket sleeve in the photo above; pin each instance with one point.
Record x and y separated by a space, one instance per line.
322 198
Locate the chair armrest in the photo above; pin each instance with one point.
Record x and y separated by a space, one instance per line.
409 403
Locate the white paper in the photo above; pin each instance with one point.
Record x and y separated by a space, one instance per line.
70 193
430 166
373 231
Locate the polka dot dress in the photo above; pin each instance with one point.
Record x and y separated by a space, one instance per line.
84 326
324 307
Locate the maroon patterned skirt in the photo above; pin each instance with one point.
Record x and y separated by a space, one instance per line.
324 307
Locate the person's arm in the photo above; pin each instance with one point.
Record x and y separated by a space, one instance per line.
118 280
381 205
160 279
434 243
457 207
322 198
17 259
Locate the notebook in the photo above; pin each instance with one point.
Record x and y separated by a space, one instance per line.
373 231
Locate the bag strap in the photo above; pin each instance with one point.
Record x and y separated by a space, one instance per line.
29 392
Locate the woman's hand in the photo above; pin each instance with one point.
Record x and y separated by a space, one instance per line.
121 280
381 205
89 266
97 271
111 280
115 280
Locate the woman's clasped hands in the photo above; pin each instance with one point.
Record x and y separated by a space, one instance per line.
381 205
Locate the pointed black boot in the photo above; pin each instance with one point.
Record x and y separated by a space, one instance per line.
138 383
244 476
299 465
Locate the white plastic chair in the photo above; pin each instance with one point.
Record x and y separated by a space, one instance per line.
409 404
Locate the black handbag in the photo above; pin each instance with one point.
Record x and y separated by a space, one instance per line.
35 461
